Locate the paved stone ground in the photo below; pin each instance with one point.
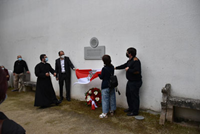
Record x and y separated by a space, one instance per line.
76 118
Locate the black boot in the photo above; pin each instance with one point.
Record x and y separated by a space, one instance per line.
58 102
68 99
61 99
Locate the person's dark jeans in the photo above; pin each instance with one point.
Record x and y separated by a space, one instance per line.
132 94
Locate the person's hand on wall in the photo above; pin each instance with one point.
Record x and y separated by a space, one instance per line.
27 72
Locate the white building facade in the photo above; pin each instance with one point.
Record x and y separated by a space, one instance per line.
166 34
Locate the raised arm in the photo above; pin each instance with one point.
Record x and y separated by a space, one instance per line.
70 64
123 66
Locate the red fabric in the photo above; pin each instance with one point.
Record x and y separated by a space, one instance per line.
93 107
82 73
95 75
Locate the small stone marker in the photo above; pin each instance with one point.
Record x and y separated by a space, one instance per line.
139 117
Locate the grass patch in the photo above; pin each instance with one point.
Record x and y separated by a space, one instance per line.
75 116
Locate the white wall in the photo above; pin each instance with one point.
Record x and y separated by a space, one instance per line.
166 34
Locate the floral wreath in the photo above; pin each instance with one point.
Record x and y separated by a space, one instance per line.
93 96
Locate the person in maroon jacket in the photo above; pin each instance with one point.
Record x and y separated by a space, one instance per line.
7 126
6 71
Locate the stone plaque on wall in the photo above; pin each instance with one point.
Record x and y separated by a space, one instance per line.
94 53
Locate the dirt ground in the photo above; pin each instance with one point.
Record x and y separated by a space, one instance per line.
75 117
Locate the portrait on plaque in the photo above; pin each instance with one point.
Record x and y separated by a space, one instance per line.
94 52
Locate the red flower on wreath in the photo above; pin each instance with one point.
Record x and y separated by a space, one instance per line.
93 97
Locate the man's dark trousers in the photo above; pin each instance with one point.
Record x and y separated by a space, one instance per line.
132 94
63 78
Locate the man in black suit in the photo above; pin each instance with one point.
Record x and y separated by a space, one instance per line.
63 72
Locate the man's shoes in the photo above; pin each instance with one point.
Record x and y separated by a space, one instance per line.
131 114
127 110
57 102
61 99
68 99
44 107
15 90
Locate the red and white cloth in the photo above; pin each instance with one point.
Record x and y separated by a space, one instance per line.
84 76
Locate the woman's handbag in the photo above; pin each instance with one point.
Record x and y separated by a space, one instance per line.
113 82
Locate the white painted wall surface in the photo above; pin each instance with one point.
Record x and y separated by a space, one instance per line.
166 34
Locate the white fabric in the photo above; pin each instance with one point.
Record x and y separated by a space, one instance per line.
93 103
92 74
85 80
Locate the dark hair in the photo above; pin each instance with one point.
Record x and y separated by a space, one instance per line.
3 85
132 51
59 52
42 56
106 60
